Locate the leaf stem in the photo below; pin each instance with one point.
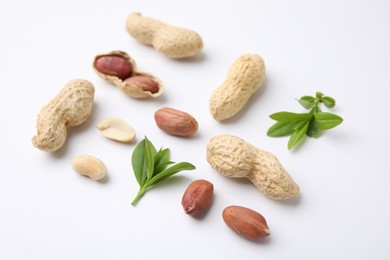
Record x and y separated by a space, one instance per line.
140 193
318 98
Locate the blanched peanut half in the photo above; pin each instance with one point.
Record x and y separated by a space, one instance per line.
89 166
116 129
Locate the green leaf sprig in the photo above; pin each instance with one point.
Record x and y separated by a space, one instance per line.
151 166
311 124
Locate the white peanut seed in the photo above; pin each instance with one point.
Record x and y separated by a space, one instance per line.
89 166
116 129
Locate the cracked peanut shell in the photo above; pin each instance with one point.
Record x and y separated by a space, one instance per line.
130 89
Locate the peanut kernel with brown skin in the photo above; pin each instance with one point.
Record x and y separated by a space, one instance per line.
197 197
175 122
143 82
130 83
114 65
246 222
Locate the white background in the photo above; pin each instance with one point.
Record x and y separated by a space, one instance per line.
338 47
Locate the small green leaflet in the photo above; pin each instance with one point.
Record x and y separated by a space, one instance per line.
329 102
149 153
327 120
169 172
162 156
289 117
281 129
298 134
151 166
313 129
299 125
307 101
138 161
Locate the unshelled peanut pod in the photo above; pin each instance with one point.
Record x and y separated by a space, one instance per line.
245 77
118 68
174 42
233 157
71 107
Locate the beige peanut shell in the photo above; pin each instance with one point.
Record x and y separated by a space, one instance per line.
233 157
245 77
131 90
71 107
174 42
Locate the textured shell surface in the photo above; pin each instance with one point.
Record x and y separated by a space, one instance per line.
232 156
143 28
77 102
245 76
71 107
229 155
175 42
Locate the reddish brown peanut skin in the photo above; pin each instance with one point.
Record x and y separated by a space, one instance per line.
197 197
117 67
114 65
143 82
175 122
246 222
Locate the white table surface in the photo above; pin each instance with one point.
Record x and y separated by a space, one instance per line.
338 47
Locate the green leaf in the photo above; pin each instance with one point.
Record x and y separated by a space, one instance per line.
329 102
162 166
300 125
307 101
326 120
162 156
281 129
137 160
313 130
289 117
150 151
151 146
150 166
297 125
299 133
316 109
169 172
